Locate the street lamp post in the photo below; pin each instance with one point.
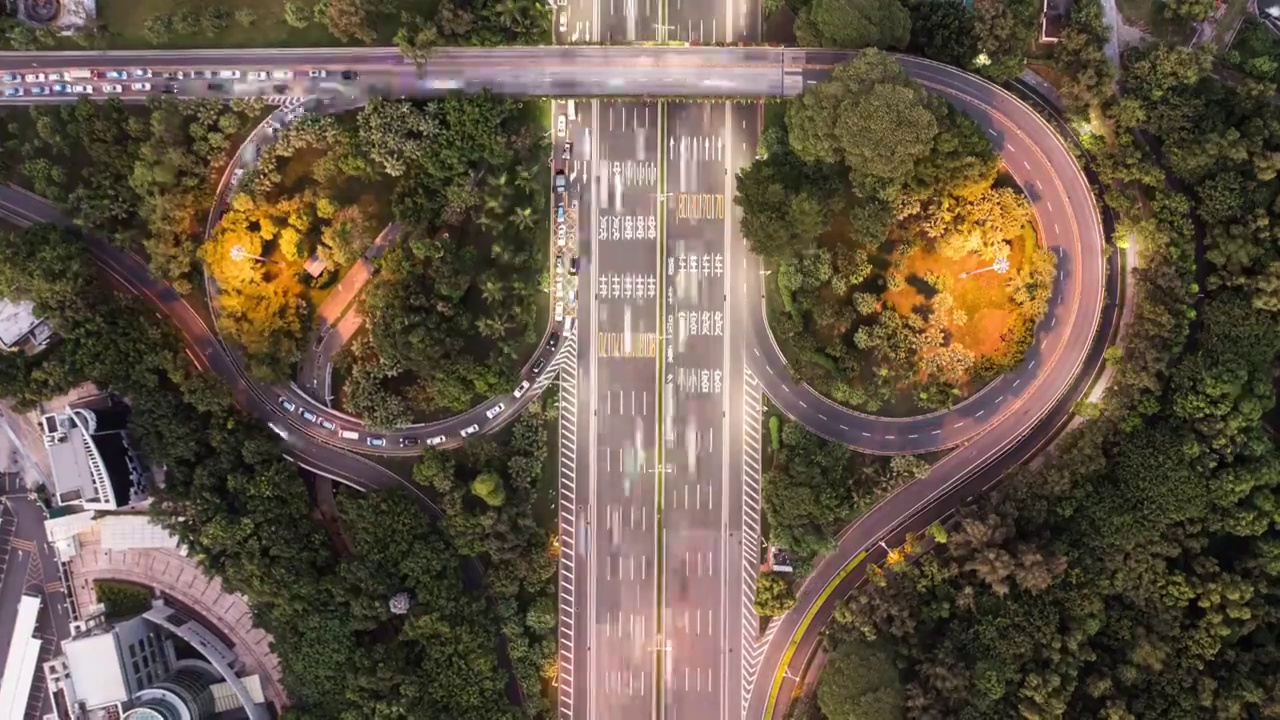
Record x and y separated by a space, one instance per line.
238 253
1001 266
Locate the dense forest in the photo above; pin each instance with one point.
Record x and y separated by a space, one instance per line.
1134 574
320 587
872 199
143 175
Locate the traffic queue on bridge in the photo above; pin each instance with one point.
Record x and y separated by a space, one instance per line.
566 225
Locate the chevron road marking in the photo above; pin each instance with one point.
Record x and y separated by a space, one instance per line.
566 362
752 645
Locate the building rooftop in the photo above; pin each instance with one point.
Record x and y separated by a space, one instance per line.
94 662
92 462
18 321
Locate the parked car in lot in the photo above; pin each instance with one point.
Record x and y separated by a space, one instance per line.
34 77
409 441
116 75
58 77
521 389
174 75
317 73
39 90
469 430
282 74
377 442
170 89
13 92
82 89
62 88
113 88
308 415
492 412
216 87
573 265
142 72
435 440
201 74
350 75
12 77
229 74
258 75
141 87
328 424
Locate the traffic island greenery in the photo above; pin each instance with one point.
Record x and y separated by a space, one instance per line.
310 194
451 311
245 515
1133 574
883 212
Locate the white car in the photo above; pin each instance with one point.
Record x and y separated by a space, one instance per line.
258 75
559 312
12 77
57 77
34 77
116 75
560 235
112 88
142 73
564 21
282 74
435 440
492 412
561 125
229 74
13 92
140 87
317 73
521 389
469 431
82 89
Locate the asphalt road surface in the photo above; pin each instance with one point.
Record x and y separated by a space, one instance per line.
623 388
696 358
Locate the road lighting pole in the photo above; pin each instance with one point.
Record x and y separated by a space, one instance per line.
1001 266
238 253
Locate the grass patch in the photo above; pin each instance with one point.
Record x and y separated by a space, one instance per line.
126 22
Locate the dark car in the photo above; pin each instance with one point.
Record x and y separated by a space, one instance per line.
216 87
409 441
281 89
537 366
170 89
573 265
553 340
350 75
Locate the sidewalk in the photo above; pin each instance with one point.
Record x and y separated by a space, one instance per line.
332 328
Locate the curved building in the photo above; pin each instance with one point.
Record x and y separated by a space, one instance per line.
186 694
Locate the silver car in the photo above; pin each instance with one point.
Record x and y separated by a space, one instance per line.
470 430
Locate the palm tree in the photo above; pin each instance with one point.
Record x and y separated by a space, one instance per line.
523 218
491 290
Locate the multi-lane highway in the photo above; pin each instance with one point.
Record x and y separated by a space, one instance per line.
661 506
